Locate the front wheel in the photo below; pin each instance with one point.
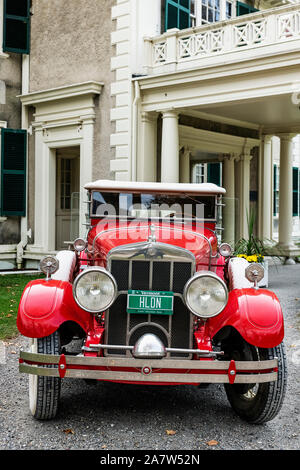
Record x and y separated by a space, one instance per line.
44 392
259 403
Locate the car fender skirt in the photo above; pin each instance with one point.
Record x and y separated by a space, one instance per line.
255 313
45 305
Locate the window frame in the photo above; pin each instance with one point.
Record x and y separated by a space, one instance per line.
21 212
245 5
25 19
223 17
176 4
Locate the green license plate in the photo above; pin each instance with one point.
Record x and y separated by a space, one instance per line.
140 301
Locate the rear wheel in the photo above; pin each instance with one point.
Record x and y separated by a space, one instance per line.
44 392
259 403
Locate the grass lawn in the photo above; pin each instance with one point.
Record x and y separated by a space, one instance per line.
11 289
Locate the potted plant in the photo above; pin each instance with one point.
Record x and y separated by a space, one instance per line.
253 249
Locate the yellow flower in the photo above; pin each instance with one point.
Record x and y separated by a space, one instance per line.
252 258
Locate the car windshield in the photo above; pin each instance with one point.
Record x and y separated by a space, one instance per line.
149 206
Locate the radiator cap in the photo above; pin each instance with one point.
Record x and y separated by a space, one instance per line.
149 346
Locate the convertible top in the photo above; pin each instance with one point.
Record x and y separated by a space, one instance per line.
195 188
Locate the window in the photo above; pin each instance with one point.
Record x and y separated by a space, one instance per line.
65 189
244 9
210 11
178 13
13 172
199 175
214 173
275 190
16 26
296 207
228 10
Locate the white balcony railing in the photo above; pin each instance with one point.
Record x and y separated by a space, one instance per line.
178 50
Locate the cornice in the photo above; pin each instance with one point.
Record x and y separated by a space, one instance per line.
60 93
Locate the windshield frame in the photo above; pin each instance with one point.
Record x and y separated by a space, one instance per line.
124 217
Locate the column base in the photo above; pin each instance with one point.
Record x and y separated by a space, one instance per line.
288 251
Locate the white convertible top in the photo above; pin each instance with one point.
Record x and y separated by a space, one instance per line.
119 186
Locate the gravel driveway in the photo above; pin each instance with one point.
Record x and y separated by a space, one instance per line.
111 416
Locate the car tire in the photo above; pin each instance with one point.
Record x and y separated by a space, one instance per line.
44 392
259 403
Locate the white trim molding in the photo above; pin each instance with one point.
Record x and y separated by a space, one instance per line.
215 142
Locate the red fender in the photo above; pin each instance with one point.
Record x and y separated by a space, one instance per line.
45 305
255 313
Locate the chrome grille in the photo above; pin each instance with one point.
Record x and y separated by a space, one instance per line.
164 273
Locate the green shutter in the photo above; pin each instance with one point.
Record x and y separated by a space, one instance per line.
177 14
275 177
13 172
295 191
16 26
244 9
214 173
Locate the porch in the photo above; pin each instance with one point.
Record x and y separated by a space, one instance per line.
219 93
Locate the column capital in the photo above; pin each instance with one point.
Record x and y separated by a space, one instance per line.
231 157
266 138
186 151
170 113
148 116
245 157
286 135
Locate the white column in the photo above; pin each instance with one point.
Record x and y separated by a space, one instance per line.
170 147
243 190
148 148
184 166
266 189
286 191
229 199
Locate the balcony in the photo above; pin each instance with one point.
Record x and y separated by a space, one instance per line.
258 35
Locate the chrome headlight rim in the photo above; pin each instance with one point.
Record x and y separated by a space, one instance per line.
225 249
80 244
194 278
87 271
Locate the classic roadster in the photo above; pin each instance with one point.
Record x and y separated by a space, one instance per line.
151 297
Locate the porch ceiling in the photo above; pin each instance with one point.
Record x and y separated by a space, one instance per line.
272 113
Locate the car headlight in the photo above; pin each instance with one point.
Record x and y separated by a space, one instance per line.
205 294
95 290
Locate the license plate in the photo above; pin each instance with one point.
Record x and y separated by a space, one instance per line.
160 303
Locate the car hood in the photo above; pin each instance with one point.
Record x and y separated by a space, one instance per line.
195 238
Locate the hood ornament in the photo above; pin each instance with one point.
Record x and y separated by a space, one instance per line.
152 236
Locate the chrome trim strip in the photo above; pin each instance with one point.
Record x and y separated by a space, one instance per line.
153 377
93 347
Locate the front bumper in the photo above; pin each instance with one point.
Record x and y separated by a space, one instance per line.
154 371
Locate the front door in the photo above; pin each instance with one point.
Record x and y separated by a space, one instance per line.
67 197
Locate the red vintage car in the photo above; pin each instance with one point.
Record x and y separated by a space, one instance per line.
150 297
